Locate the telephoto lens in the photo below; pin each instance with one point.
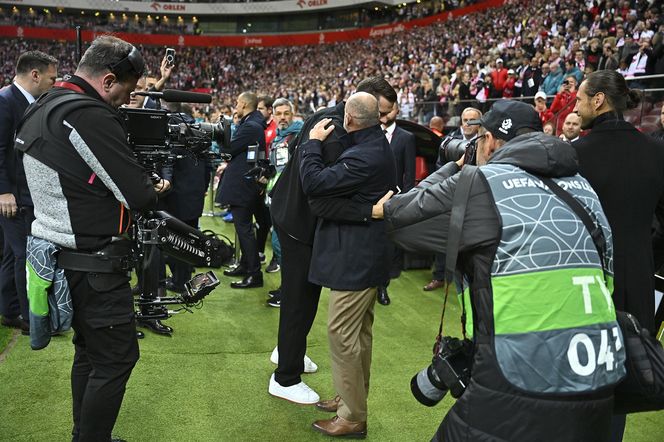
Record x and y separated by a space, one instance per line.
427 387
453 149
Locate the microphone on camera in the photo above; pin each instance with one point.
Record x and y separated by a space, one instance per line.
174 96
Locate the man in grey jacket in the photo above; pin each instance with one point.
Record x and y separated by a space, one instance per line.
536 285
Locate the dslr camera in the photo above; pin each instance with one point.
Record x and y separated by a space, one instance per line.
449 371
452 149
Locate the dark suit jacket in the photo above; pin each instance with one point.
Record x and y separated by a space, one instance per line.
350 256
626 169
12 176
403 148
235 189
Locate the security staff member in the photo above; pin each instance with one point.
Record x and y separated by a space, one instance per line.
83 179
242 194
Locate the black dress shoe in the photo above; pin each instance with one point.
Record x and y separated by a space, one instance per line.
249 282
156 326
236 271
382 297
18 322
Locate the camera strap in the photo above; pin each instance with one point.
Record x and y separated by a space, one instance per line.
457 216
595 231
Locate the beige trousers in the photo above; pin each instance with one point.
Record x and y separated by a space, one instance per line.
349 322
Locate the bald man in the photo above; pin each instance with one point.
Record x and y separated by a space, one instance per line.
349 258
571 128
437 125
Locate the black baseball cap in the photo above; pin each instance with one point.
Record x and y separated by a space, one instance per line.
506 117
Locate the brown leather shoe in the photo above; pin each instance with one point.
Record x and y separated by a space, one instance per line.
434 284
340 427
330 405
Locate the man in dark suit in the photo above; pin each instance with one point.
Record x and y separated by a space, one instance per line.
625 168
349 258
243 195
35 74
402 143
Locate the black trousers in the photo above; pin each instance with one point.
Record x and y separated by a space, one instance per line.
395 258
243 219
13 293
439 266
299 304
106 351
264 222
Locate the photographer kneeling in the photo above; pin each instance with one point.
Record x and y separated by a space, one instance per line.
544 347
84 179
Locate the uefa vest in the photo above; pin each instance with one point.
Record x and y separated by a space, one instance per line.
555 329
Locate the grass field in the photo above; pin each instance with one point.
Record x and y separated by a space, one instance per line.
209 381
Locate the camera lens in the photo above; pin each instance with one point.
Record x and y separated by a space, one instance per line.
453 149
427 388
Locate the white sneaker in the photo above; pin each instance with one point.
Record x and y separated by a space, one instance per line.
309 365
299 393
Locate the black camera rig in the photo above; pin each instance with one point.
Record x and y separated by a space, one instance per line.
156 232
158 138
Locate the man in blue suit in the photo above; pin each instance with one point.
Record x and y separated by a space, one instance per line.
349 258
244 195
35 74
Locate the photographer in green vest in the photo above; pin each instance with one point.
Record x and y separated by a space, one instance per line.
543 347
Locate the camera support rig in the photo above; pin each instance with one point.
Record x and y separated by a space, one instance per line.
159 231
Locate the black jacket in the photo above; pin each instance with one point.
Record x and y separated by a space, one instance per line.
403 148
291 209
350 256
82 174
235 189
625 167
12 176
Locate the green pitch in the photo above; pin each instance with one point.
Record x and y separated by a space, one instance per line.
209 381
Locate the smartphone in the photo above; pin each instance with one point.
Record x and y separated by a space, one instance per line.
170 56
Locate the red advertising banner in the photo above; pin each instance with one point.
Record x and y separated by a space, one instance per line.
248 40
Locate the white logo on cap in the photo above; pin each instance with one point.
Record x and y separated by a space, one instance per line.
507 123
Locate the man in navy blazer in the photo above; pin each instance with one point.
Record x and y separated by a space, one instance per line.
348 257
402 144
35 74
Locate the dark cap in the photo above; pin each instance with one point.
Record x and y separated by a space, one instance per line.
506 117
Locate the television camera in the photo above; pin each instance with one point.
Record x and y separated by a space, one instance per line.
158 138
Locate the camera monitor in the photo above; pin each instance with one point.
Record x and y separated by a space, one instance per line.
146 127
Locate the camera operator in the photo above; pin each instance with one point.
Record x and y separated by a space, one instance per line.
538 304
83 179
466 132
243 194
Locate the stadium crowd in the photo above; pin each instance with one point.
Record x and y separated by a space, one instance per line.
437 70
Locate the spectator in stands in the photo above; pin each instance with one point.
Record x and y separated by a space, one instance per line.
498 78
572 69
563 103
540 106
608 60
531 79
552 82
